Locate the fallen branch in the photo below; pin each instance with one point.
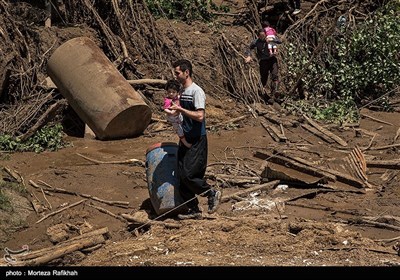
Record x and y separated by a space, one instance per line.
355 248
50 188
13 174
105 211
373 223
384 147
45 118
60 210
388 240
377 120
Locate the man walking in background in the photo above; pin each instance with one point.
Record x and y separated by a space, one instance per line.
267 63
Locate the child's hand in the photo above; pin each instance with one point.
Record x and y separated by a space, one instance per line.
175 107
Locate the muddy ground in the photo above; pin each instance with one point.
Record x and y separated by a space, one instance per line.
323 229
310 225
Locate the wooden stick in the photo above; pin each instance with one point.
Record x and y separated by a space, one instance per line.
45 198
128 161
355 248
370 143
131 218
105 211
388 240
50 188
373 223
12 174
377 120
44 118
60 210
385 147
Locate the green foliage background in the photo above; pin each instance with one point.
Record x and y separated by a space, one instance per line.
361 63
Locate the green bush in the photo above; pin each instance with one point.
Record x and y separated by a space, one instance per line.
48 138
357 64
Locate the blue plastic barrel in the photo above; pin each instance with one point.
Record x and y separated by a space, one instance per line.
162 177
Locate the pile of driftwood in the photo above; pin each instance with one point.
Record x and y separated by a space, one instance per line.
126 29
344 173
86 242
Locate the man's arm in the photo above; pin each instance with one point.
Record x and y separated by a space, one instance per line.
197 115
247 53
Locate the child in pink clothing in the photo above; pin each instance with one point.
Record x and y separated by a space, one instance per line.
175 118
270 33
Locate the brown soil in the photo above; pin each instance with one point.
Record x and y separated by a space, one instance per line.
322 229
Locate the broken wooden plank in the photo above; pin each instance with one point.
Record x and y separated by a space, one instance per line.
339 176
275 171
391 163
278 133
237 178
326 132
295 165
318 133
276 120
270 131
